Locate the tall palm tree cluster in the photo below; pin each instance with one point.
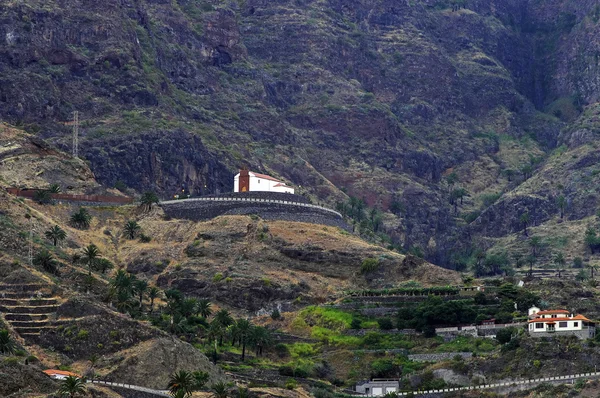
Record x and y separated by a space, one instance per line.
129 292
187 317
369 220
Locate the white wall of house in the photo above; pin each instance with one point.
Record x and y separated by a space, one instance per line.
559 326
262 185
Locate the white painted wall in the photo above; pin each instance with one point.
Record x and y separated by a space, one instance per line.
258 184
570 325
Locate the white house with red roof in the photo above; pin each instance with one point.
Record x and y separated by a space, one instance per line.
60 374
249 181
561 322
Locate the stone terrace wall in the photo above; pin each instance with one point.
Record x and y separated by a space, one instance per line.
261 195
269 206
442 356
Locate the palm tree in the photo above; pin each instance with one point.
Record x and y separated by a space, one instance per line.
535 243
560 262
219 390
54 188
562 203
55 234
524 220
244 328
223 317
182 381
91 254
131 228
531 259
7 344
593 268
215 333
242 392
140 287
46 260
153 294
200 379
123 282
147 200
81 219
261 338
72 386
42 196
204 308
103 265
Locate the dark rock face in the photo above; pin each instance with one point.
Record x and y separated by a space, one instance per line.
381 98
159 161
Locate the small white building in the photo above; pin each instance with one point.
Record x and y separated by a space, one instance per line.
60 374
377 387
249 181
559 321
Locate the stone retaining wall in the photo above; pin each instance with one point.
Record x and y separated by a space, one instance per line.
362 332
442 356
268 207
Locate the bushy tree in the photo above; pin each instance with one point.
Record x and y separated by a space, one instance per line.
148 199
72 387
55 234
91 254
46 260
504 335
81 219
219 390
181 382
131 229
42 196
7 344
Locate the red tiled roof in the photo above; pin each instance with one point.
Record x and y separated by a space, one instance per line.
550 312
578 317
264 176
51 372
280 185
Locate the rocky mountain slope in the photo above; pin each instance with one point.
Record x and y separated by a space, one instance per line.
380 100
243 264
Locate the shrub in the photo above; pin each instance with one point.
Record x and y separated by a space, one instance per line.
369 265
282 350
275 315
504 335
355 324
291 384
83 334
385 324
217 277
43 197
145 238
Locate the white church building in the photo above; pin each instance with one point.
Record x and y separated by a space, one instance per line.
249 181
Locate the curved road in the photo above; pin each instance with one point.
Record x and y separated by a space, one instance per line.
508 384
530 383
160 393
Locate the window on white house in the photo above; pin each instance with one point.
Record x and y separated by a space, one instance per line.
539 325
553 316
259 181
562 324
576 324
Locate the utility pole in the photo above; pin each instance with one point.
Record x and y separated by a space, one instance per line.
75 134
30 252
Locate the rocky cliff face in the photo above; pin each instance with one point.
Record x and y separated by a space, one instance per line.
382 99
